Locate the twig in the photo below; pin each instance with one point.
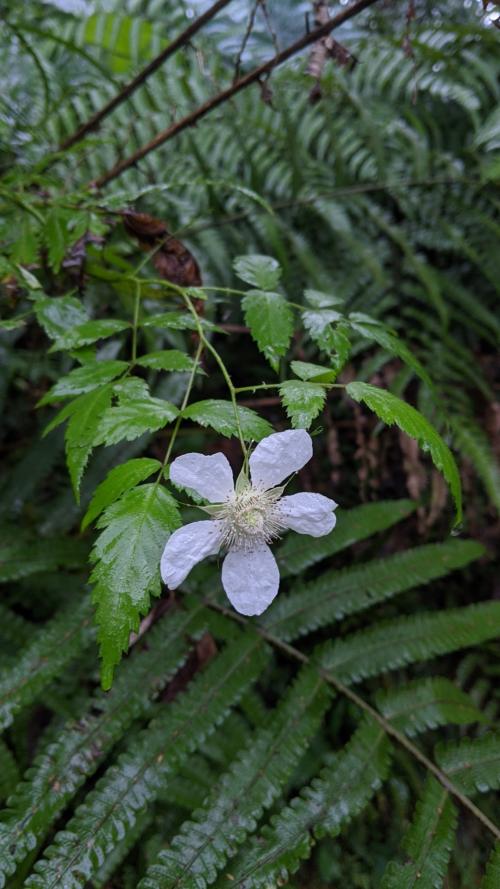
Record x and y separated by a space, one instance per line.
182 40
387 726
246 37
190 119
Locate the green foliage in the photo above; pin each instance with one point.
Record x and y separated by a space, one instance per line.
220 416
127 554
396 643
392 410
270 320
81 745
152 757
339 593
299 553
428 842
303 402
492 875
258 774
326 806
51 650
473 765
117 482
368 226
427 704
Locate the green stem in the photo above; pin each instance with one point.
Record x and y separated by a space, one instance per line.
185 400
223 368
137 304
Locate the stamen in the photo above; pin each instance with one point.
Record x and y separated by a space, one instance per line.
250 517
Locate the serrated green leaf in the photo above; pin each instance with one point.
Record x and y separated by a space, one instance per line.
393 410
313 372
126 556
117 481
58 314
270 319
321 300
82 431
428 843
89 332
220 415
328 329
133 418
300 551
25 250
56 236
167 359
29 279
426 704
379 333
14 323
303 401
473 765
84 379
261 271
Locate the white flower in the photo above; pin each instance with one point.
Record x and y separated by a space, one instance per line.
246 518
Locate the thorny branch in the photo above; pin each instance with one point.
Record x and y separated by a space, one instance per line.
252 77
182 40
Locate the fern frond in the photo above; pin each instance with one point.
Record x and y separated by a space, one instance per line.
15 631
426 704
353 525
397 643
111 809
492 875
428 842
325 806
201 848
9 770
52 648
81 745
338 593
473 765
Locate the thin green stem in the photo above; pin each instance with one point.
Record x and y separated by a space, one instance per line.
225 373
185 400
137 305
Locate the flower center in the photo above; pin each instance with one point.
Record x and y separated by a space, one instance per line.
250 517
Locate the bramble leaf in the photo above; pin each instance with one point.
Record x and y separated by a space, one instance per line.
89 332
126 572
130 419
391 410
117 481
167 359
84 379
261 271
220 415
303 401
270 319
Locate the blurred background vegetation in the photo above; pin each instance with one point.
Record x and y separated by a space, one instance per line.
374 179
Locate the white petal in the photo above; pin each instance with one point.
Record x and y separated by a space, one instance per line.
308 513
186 547
251 579
210 476
278 455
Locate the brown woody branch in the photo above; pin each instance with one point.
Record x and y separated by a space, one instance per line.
182 40
253 76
